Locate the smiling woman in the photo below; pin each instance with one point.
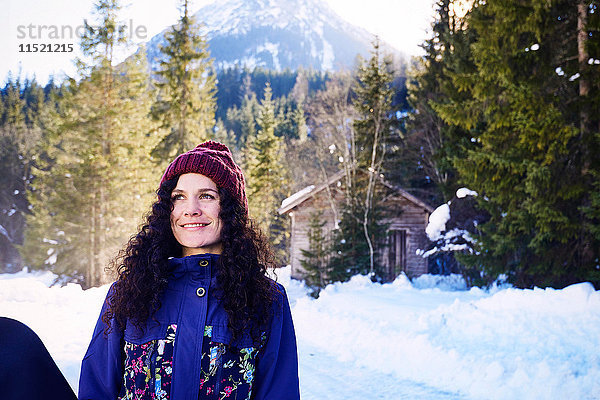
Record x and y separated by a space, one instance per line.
193 314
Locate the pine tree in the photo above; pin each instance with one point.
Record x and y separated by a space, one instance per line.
229 90
22 126
300 157
431 143
186 101
225 136
242 121
18 135
533 162
90 191
374 128
315 258
267 183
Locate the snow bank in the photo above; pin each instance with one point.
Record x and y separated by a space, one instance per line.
450 282
46 278
526 344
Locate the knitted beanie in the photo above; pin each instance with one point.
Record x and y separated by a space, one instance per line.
213 160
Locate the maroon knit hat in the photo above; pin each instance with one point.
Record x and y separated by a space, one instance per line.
214 160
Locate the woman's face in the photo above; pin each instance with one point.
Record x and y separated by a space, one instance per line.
195 217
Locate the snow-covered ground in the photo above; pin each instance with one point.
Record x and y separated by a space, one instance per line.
429 339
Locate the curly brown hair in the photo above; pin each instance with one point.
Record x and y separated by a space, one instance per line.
143 269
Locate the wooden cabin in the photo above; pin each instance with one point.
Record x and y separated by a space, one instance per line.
406 232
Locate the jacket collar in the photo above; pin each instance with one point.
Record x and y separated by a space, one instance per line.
200 265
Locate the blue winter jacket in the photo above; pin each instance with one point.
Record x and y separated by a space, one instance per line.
186 351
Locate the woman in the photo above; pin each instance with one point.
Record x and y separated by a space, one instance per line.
192 314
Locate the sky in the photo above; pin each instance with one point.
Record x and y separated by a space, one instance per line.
23 23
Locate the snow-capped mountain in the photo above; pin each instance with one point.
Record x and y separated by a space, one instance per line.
276 34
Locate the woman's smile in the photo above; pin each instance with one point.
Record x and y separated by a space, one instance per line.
195 225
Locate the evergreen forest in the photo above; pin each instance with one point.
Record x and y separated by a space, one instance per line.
504 100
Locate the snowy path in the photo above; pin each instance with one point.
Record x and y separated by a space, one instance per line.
323 377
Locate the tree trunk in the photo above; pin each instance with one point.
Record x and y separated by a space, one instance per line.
369 197
584 253
583 56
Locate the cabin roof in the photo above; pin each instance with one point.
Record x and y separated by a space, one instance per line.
308 192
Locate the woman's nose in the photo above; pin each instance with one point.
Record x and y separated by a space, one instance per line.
193 209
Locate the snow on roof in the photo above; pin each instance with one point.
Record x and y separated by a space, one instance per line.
296 196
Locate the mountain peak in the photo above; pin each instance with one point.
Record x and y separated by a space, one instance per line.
277 34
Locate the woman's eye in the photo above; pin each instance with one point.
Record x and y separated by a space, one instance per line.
177 197
207 196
